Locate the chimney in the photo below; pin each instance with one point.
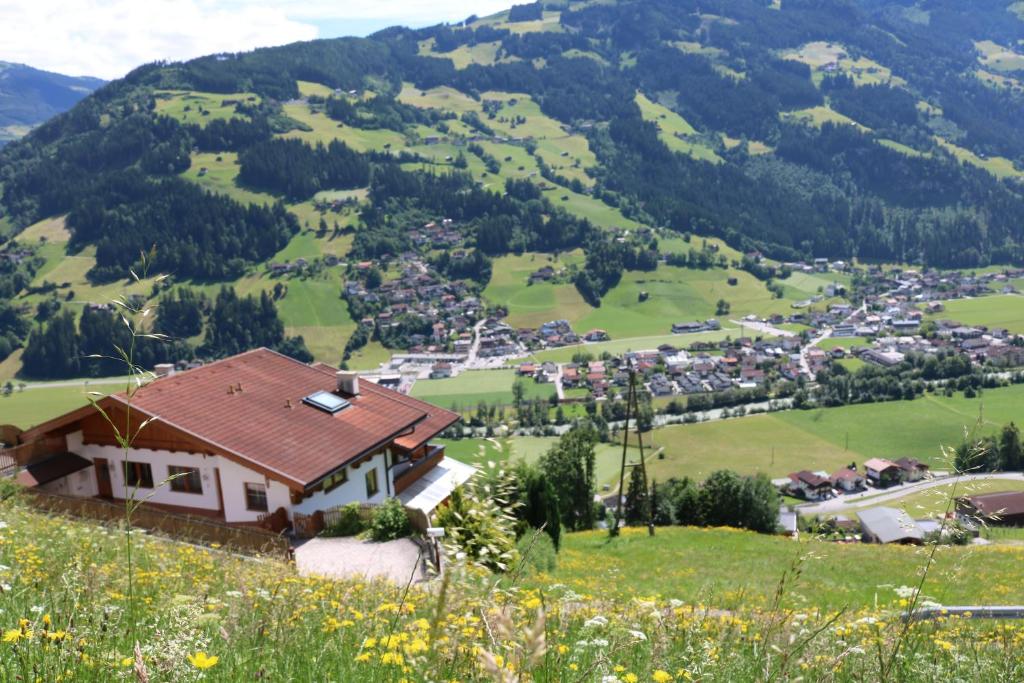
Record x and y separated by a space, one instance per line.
163 369
348 382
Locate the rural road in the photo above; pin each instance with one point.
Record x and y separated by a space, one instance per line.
76 383
849 503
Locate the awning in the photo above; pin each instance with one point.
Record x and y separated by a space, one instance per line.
52 469
434 487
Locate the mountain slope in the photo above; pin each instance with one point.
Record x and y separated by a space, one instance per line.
29 96
876 129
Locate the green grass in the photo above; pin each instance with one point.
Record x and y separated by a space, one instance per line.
842 342
829 438
189 106
607 460
735 569
36 405
307 88
998 57
677 295
370 357
617 346
466 390
325 129
1000 167
532 305
221 176
820 115
70 584
675 131
901 148
992 311
52 230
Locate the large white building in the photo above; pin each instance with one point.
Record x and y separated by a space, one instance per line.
257 438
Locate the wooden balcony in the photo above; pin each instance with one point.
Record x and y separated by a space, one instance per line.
405 473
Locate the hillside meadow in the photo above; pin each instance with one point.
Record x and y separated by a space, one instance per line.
638 609
830 438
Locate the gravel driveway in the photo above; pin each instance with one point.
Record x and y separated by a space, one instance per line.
344 558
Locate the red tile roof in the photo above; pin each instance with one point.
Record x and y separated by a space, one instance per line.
267 423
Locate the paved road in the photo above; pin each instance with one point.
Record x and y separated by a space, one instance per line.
475 348
559 387
853 502
75 383
346 558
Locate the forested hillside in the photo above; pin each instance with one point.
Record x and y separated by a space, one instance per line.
802 128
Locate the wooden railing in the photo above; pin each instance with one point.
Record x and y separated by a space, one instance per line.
408 472
180 526
33 451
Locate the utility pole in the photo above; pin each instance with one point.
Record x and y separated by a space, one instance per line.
632 405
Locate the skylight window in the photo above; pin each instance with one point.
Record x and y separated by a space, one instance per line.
326 401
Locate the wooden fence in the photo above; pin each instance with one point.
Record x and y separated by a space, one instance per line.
180 526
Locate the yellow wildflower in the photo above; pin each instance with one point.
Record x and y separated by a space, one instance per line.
630 678
661 676
12 636
201 660
127 661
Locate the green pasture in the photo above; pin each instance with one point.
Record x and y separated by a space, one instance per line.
189 106
1004 310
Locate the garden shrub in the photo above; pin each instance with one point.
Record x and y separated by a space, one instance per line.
389 521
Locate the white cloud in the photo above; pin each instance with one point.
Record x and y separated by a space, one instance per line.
108 38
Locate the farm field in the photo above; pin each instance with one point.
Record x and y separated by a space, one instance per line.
675 131
999 57
325 129
903 149
35 405
731 569
218 172
617 346
607 460
677 295
1004 310
201 107
533 305
830 438
864 71
830 343
819 115
466 390
1000 167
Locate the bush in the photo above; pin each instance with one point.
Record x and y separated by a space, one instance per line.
537 552
350 522
389 521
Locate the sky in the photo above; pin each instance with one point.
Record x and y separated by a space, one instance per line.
108 38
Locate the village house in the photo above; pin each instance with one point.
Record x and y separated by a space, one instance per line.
882 473
1005 508
254 439
810 485
912 469
847 480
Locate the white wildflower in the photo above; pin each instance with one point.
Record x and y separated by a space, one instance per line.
596 622
638 635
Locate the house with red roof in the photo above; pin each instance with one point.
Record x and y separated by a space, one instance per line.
246 438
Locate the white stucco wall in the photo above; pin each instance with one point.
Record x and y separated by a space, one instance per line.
233 478
352 490
81 484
